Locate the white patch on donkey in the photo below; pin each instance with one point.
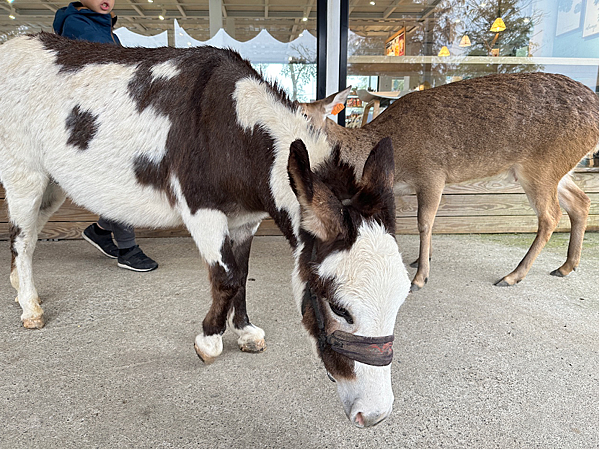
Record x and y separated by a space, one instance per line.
208 227
165 70
256 105
370 271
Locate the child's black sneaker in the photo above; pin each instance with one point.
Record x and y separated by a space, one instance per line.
136 259
102 240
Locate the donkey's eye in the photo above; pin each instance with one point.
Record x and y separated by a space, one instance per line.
339 311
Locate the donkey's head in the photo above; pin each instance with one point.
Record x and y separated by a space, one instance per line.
349 278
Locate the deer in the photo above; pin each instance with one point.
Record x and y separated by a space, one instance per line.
535 127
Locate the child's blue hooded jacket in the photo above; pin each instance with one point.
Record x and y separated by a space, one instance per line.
78 22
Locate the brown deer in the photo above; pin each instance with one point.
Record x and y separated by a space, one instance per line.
534 126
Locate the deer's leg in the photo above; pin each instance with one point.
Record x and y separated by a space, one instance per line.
577 206
544 200
250 338
428 201
24 196
415 263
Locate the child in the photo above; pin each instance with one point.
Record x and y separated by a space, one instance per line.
93 20
89 20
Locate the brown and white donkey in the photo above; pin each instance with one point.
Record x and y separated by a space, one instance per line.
160 137
534 126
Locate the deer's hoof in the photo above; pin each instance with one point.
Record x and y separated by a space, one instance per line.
414 287
558 273
34 323
504 283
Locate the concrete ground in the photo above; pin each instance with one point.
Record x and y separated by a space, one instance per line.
475 365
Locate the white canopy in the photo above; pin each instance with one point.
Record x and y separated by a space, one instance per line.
263 48
130 39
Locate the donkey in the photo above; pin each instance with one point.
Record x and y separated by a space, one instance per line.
160 137
534 126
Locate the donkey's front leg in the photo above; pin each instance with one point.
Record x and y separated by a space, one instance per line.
226 283
226 253
210 232
250 338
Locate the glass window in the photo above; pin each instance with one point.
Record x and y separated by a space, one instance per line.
396 47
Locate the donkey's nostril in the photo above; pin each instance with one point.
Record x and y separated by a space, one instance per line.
359 420
365 420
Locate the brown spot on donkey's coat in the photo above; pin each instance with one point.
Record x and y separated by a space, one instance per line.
82 127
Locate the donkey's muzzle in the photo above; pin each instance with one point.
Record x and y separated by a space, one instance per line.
374 351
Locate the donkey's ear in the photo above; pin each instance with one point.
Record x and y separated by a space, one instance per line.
321 211
378 173
376 194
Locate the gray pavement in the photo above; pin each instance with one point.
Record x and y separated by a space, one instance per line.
475 365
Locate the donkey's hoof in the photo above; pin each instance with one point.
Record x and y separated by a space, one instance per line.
251 339
208 348
254 346
558 273
34 323
203 356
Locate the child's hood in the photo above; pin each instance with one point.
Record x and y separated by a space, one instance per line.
77 8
